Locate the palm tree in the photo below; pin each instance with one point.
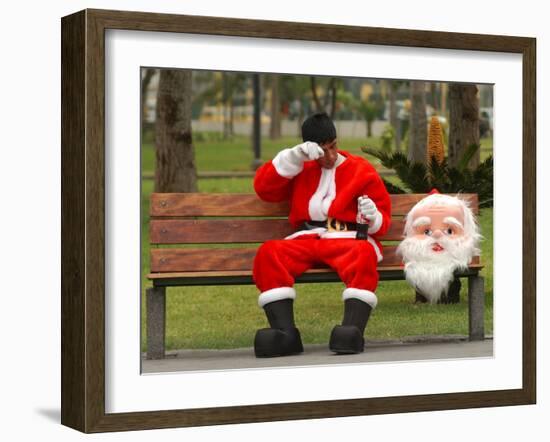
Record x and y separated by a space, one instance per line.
421 177
370 110
330 87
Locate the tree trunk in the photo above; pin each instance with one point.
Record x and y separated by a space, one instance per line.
470 121
256 121
433 96
318 105
300 119
231 126
175 156
330 98
333 98
464 123
145 81
444 91
455 125
275 126
394 122
226 106
418 131
327 94
369 128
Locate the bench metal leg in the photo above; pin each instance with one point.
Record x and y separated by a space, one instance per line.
476 307
156 322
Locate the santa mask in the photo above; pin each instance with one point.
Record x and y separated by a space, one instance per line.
441 236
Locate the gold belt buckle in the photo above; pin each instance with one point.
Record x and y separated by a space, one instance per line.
334 225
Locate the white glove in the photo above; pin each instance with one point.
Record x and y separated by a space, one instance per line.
307 151
290 162
366 209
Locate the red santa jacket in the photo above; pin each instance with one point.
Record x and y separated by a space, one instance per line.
315 193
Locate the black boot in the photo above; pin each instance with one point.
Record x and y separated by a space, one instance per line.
453 293
348 337
283 338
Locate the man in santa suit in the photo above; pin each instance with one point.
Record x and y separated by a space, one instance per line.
332 195
441 237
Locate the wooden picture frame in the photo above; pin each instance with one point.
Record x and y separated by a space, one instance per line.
83 220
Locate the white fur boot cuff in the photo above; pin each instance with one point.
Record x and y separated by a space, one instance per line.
363 295
276 295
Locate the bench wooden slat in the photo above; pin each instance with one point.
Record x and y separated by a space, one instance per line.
241 205
402 204
213 204
245 277
210 274
211 231
203 259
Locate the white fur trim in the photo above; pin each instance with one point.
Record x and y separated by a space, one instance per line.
285 166
339 160
320 202
375 226
348 234
352 234
318 231
276 294
323 196
376 249
324 234
363 295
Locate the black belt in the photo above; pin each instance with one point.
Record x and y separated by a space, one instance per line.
331 224
334 225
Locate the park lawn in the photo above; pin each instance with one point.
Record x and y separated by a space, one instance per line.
228 317
236 154
215 154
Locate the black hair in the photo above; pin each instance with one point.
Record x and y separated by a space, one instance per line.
318 128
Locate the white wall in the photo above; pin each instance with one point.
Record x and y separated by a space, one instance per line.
30 116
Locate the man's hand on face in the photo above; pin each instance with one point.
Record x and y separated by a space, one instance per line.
310 150
325 155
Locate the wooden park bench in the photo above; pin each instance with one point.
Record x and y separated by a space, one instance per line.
203 218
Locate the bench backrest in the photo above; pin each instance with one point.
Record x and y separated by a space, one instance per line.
238 222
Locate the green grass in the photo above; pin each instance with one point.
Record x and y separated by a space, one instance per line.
215 154
227 317
236 155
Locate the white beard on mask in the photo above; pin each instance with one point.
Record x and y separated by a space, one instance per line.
432 272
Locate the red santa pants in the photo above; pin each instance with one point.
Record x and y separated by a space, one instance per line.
279 262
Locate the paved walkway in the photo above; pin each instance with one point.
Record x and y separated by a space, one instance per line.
412 349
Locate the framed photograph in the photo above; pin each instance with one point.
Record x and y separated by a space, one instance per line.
166 118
